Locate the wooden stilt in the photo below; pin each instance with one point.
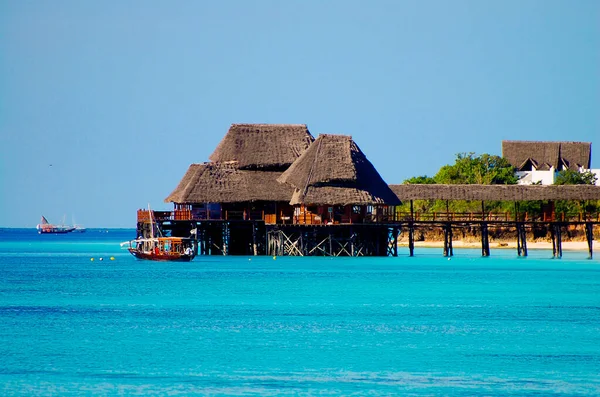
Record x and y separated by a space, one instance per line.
553 238
450 239
445 240
523 239
590 238
254 247
558 240
485 241
395 233
518 227
411 231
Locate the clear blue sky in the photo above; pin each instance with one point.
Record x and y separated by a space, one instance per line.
121 96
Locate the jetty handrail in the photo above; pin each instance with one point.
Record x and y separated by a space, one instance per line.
402 216
436 216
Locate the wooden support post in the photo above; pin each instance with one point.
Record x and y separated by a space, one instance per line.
553 238
524 240
521 239
590 238
446 248
559 240
254 246
485 241
396 232
555 233
411 239
450 239
411 231
518 227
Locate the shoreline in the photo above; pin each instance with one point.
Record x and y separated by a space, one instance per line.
533 245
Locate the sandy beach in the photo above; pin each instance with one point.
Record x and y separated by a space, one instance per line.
566 245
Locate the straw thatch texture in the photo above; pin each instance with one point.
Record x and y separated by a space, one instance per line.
226 183
572 154
497 192
334 171
263 146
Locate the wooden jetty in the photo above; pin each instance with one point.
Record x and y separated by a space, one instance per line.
272 189
520 221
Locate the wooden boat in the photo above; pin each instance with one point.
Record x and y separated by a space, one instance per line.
176 249
45 227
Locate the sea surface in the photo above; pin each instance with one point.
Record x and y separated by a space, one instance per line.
263 326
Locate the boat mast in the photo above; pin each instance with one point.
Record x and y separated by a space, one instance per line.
151 225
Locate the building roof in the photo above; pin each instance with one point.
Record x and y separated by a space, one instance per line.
263 146
226 183
333 170
559 155
497 192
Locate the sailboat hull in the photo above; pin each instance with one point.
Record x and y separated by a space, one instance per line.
55 230
161 256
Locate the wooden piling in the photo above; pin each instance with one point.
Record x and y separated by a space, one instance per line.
411 231
555 235
450 239
448 251
395 233
521 239
589 235
254 245
485 240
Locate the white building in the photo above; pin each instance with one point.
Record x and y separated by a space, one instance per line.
540 162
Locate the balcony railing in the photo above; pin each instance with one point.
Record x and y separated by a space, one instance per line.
314 219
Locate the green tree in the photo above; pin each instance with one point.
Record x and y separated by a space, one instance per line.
573 177
485 169
419 180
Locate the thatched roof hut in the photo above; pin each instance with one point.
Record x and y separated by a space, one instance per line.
334 171
497 192
263 146
226 183
543 155
245 166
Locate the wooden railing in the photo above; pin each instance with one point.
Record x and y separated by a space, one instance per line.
308 218
498 217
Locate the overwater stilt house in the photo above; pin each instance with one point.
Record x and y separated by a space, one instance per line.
240 182
334 183
264 179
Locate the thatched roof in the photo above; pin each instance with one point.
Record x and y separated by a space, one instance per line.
226 183
334 171
263 146
497 192
571 155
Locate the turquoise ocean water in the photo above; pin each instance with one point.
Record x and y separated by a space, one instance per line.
240 326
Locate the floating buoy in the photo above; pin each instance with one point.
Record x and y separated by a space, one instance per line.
92 259
112 258
101 259
275 257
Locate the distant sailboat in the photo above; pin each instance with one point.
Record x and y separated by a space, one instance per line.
78 228
45 227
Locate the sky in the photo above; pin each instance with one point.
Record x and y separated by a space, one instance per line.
105 104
